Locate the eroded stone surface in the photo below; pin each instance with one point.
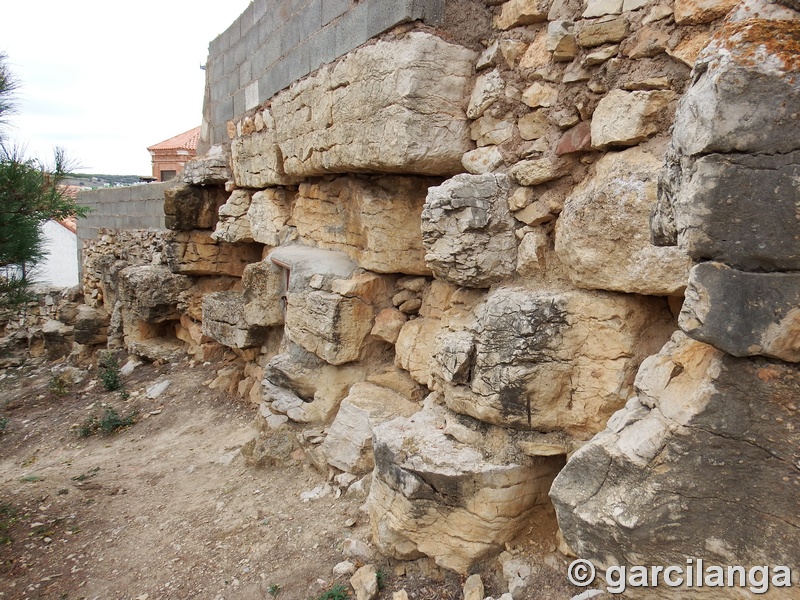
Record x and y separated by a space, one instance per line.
392 107
234 222
603 234
151 292
659 481
434 496
189 207
375 221
744 314
628 118
549 360
197 253
468 232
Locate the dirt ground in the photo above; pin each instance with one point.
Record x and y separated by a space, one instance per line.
169 508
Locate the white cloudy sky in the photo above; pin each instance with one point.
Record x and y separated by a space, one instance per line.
105 80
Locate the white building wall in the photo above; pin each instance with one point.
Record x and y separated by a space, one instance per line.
60 266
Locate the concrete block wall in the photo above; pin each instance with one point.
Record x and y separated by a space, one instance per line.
276 42
132 207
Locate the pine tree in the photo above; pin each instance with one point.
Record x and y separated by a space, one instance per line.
30 194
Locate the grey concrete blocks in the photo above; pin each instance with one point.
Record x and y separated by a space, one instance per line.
331 9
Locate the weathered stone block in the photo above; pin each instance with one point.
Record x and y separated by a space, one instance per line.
540 170
151 292
603 234
628 118
211 169
468 232
668 474
223 320
329 325
488 89
599 31
744 314
746 96
91 325
258 162
552 360
348 445
263 289
269 214
432 495
740 210
521 12
192 206
234 222
197 253
375 221
694 12
393 107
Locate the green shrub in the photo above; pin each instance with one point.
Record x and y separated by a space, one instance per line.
108 423
337 592
108 371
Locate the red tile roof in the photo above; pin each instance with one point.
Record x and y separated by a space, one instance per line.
184 141
69 223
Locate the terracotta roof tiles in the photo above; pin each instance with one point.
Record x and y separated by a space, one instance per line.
184 141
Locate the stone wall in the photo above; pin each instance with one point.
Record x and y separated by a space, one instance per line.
271 45
434 262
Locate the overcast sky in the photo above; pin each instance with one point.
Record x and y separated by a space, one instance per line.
105 80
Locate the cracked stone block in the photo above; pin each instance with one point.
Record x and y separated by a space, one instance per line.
151 292
744 314
258 162
192 206
705 457
234 221
223 321
549 361
348 445
211 169
434 496
197 253
468 231
375 221
395 106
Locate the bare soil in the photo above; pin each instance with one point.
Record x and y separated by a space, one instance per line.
168 507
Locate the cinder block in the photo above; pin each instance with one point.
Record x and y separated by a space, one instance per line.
385 14
246 73
246 20
352 29
311 19
322 48
231 83
223 112
239 104
261 61
332 9
290 33
259 11
267 85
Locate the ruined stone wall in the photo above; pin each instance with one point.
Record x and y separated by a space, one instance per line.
434 262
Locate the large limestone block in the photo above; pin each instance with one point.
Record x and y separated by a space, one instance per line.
212 169
91 325
415 346
190 302
434 496
703 464
258 162
375 221
603 234
189 207
223 321
348 445
331 326
746 93
395 106
738 209
550 360
197 253
269 214
234 222
468 231
744 314
628 118
151 292
263 289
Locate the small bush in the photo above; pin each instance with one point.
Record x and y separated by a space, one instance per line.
274 590
108 371
337 592
8 516
60 384
108 423
3 425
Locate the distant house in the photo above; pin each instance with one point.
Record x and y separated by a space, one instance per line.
60 240
170 156
60 264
